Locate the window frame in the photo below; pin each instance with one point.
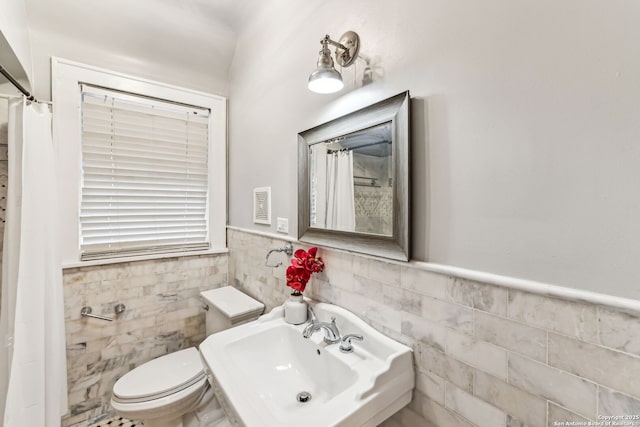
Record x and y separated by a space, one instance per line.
67 76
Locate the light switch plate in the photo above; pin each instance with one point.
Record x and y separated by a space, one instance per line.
283 225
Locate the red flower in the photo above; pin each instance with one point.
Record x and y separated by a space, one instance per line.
317 266
303 264
300 254
295 273
298 263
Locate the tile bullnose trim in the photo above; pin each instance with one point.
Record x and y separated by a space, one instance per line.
267 234
555 291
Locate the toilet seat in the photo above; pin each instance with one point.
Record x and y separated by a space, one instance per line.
161 377
173 390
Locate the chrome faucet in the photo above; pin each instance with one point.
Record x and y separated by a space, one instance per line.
346 346
331 333
311 314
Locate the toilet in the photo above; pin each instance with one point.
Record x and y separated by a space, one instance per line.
172 390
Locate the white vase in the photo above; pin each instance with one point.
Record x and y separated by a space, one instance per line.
295 310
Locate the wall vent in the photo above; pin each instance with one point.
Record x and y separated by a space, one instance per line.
262 205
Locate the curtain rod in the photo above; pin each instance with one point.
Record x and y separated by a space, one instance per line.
18 86
330 151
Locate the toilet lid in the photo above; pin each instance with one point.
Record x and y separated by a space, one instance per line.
161 377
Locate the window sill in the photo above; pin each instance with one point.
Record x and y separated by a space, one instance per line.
92 263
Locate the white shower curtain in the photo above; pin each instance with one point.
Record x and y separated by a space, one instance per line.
33 374
318 186
341 210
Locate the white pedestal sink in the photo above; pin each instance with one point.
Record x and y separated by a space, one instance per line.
267 375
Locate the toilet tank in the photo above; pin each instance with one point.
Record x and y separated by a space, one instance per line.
228 307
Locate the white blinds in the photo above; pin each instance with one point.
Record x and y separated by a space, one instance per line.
145 175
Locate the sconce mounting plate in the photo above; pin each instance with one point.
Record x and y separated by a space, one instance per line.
351 41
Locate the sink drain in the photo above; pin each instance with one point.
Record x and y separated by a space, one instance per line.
303 397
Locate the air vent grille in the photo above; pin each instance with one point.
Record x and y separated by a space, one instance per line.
262 205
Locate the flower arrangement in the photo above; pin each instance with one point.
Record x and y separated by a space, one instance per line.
303 265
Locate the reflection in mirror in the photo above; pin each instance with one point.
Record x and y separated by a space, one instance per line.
351 184
353 181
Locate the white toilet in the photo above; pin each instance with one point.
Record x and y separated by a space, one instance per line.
172 390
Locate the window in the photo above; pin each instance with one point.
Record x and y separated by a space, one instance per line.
142 166
144 175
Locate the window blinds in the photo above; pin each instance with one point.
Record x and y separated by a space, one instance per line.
145 175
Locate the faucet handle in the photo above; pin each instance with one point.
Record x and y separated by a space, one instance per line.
346 346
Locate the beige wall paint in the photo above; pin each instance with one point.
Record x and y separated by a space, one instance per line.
525 126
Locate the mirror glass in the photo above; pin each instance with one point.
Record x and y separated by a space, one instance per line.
353 181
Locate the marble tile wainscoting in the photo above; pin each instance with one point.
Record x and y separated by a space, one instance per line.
485 355
164 314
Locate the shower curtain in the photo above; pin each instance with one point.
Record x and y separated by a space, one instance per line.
318 186
341 210
33 374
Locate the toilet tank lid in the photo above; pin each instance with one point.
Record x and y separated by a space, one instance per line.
232 302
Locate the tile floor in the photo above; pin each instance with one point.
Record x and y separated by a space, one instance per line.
118 422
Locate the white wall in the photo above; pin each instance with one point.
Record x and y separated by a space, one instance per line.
179 43
526 122
15 50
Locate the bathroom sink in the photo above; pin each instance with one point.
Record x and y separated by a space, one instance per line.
266 374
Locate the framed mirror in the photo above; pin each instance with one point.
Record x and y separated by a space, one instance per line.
353 181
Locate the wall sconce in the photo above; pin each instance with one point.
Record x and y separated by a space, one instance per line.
326 79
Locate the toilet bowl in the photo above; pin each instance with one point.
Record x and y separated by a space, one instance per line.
172 390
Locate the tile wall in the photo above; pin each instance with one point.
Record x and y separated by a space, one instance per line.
163 314
485 356
373 193
373 208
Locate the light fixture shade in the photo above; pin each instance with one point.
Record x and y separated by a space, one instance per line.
325 80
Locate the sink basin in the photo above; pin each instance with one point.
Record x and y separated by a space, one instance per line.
266 374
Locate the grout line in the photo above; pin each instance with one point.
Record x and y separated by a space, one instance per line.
598 400
547 411
598 335
546 361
